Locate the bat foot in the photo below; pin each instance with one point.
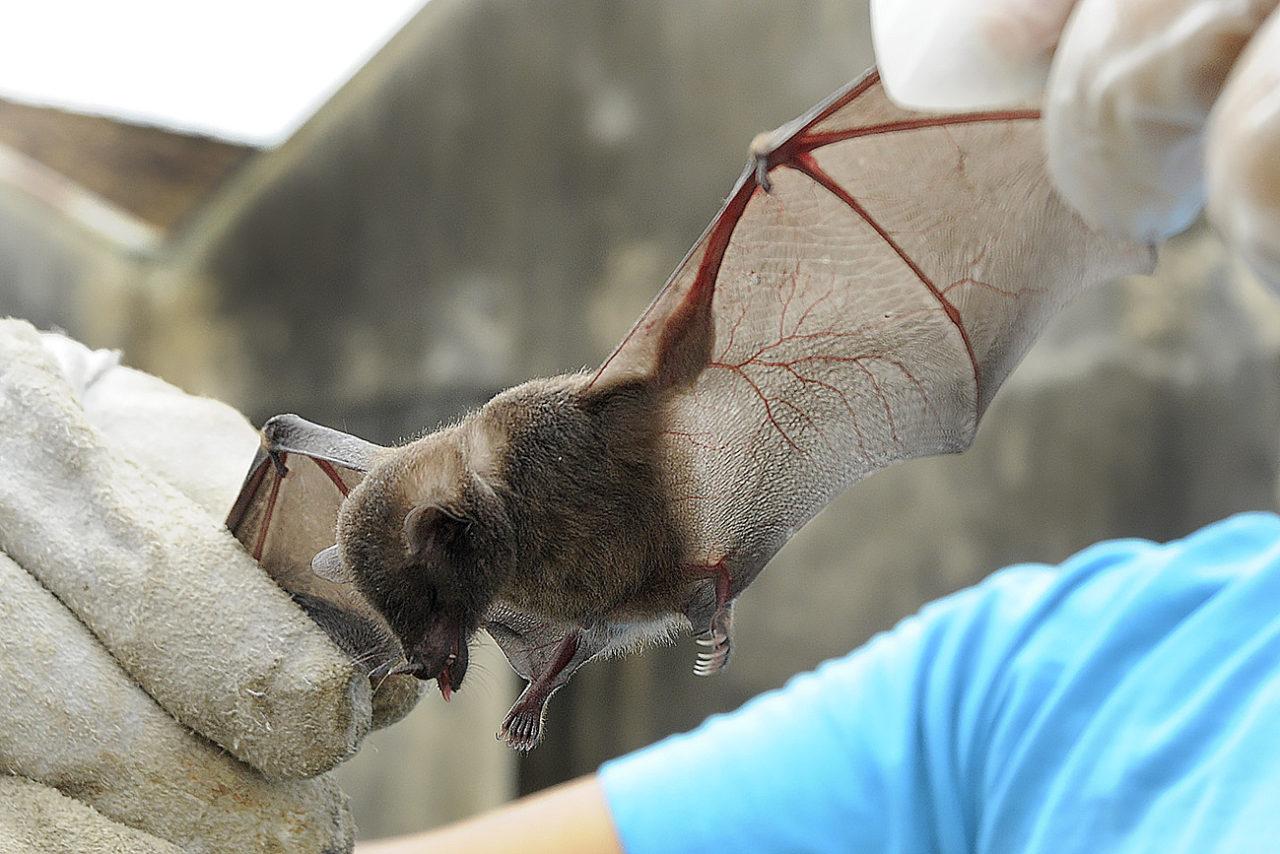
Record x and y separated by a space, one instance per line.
712 632
715 657
522 729
716 642
547 660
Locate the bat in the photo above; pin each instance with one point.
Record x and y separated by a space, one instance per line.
870 281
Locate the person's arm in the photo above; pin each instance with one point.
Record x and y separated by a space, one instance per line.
572 818
877 751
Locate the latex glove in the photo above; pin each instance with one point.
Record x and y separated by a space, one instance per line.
1150 106
125 604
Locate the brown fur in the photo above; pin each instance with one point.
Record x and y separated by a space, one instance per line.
550 497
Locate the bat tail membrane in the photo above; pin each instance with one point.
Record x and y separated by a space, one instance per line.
546 656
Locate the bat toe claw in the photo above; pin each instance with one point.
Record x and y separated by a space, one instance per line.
522 730
713 659
713 636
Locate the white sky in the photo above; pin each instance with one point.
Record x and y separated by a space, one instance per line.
250 71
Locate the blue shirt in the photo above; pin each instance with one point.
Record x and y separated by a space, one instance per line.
1127 700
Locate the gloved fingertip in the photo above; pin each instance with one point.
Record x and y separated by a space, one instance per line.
1145 192
1024 31
1123 120
393 698
962 54
1128 97
1243 157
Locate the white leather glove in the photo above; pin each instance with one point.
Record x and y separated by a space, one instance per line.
149 669
1151 107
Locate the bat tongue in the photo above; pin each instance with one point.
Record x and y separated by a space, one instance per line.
445 682
445 679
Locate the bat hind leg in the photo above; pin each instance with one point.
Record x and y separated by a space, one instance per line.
712 623
522 728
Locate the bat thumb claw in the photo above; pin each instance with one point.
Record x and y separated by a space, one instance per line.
762 175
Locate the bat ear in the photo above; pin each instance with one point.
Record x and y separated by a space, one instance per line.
328 565
429 526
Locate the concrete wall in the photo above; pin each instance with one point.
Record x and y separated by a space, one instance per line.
502 191
499 193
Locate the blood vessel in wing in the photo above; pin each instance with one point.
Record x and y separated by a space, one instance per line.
872 279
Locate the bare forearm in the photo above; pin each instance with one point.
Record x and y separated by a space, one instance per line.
568 819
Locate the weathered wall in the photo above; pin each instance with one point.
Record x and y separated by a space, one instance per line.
502 191
52 271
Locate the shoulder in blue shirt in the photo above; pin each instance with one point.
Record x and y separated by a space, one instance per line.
1128 700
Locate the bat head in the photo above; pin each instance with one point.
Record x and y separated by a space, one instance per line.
428 543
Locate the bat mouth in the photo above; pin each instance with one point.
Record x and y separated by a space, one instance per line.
450 677
446 663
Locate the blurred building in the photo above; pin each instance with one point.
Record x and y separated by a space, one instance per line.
498 194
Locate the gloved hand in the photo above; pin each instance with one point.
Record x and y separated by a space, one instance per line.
149 669
1150 106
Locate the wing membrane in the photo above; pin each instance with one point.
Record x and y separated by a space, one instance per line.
285 514
867 305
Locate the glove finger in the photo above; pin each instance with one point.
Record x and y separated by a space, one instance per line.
164 586
73 719
39 819
374 649
141 415
1131 87
200 446
394 697
965 54
1243 159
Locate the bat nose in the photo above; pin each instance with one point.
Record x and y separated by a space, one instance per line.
426 662
411 668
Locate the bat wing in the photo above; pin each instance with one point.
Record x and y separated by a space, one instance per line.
286 515
869 283
288 505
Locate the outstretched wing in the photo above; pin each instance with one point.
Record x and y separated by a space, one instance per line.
872 279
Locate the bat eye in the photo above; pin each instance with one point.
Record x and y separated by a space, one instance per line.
429 528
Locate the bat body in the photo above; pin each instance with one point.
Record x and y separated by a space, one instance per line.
871 280
550 497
